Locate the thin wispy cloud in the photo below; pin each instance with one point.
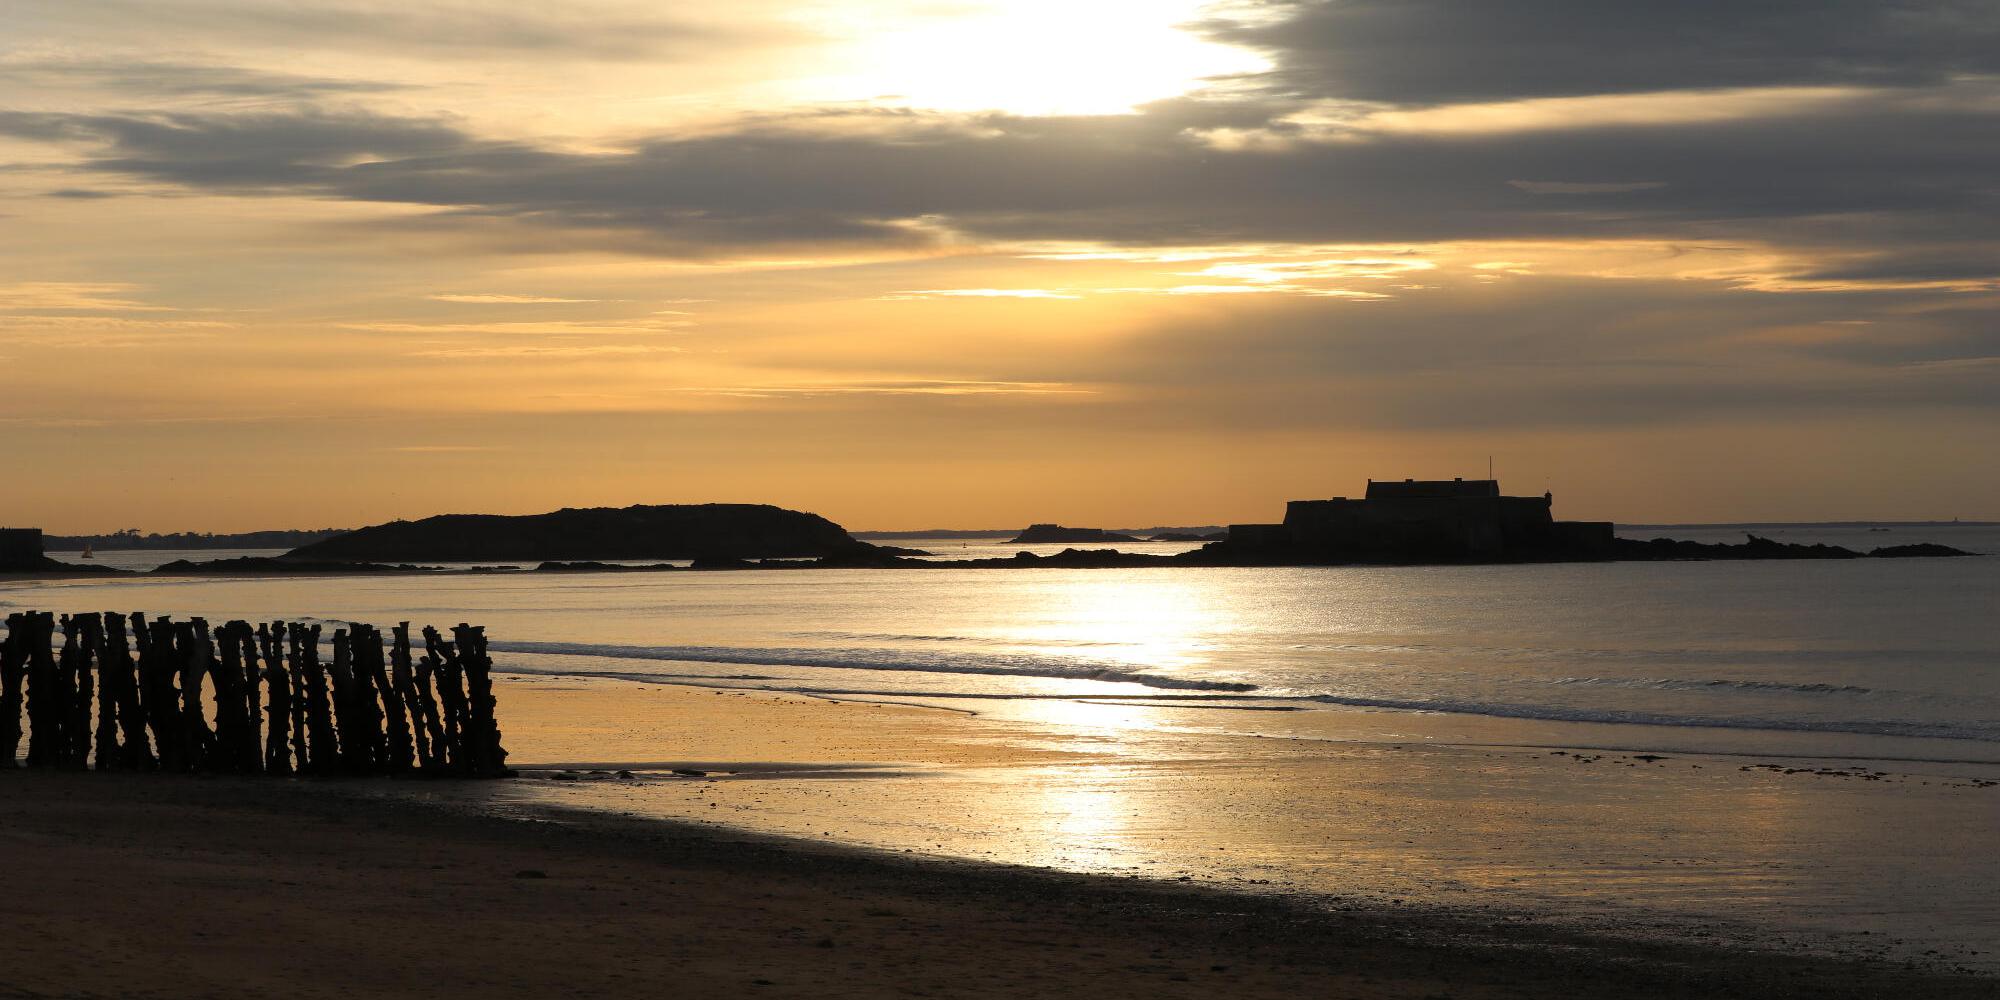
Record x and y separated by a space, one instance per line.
527 327
983 293
546 351
495 299
80 296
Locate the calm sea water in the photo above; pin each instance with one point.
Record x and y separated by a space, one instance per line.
1409 719
1894 658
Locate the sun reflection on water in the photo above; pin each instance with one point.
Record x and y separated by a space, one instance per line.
1158 622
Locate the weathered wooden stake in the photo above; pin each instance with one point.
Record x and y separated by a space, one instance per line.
323 740
249 751
196 663
79 632
295 662
277 751
13 670
451 691
436 754
397 699
489 758
105 750
226 681
121 685
369 693
45 707
157 669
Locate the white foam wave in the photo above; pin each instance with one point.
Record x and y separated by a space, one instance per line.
1981 732
1723 684
992 665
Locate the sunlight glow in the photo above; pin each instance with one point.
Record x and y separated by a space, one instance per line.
1026 57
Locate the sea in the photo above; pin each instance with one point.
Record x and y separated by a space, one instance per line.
1866 654
1822 732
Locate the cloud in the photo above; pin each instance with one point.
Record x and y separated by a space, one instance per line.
983 293
545 352
1428 52
1554 352
445 449
487 299
433 29
629 327
66 296
1889 165
1586 187
153 80
904 387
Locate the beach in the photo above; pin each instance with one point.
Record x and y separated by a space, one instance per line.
126 885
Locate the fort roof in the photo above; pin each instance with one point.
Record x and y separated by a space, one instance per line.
1409 489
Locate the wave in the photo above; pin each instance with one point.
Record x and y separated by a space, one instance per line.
995 665
1028 665
1687 684
1980 732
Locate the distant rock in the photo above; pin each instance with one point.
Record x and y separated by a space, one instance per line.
713 534
262 565
1919 550
1056 534
1758 547
1178 536
601 567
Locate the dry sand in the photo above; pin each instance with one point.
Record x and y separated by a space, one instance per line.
135 885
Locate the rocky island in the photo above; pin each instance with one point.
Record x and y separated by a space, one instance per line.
714 531
1056 534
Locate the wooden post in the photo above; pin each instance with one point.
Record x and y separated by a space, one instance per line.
197 661
250 751
45 707
489 758
121 684
295 662
157 670
79 640
325 743
451 691
345 713
430 737
226 677
397 700
105 750
371 691
277 752
13 670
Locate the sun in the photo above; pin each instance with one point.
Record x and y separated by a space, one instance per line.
1025 57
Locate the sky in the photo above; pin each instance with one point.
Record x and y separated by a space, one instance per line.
971 263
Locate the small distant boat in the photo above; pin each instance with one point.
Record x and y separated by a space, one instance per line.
87 554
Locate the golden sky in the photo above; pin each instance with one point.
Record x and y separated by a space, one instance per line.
979 263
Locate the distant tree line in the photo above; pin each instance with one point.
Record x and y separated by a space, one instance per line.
130 538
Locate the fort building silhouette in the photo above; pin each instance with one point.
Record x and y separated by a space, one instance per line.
1412 519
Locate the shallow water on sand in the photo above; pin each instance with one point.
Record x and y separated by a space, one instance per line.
1385 731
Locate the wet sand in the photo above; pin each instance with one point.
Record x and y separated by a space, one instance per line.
1882 860
122 885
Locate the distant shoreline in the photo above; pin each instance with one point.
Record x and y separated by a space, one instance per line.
189 541
1636 526
1814 524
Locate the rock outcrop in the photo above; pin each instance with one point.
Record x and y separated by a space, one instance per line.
694 531
1758 547
1056 534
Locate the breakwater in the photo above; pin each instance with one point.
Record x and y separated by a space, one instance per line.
179 697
